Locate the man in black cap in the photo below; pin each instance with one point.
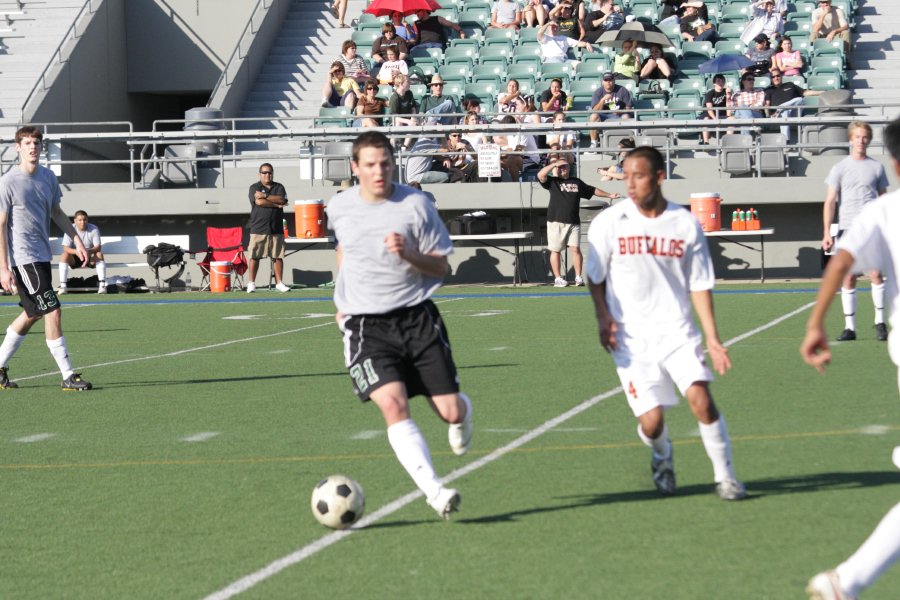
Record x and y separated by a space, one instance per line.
761 55
783 95
611 98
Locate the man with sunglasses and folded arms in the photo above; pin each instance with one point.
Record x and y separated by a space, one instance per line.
267 201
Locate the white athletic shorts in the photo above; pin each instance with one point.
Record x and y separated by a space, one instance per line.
650 369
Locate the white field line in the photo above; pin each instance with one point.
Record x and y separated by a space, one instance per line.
37 437
248 581
201 437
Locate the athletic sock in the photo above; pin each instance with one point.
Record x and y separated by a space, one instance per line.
10 344
468 404
61 356
412 451
63 274
878 301
848 302
877 553
101 272
661 444
718 448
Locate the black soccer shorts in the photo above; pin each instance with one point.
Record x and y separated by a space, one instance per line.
408 344
35 284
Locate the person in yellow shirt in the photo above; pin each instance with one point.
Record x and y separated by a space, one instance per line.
340 90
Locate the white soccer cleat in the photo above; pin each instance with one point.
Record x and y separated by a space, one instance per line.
281 287
825 586
731 489
579 282
101 289
251 287
445 502
460 434
62 290
895 456
560 282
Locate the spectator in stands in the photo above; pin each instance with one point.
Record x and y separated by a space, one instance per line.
505 14
69 259
627 61
511 101
338 10
403 105
472 104
354 65
747 102
267 201
670 12
761 54
613 100
553 99
527 155
783 95
607 17
340 90
562 140
475 138
555 47
369 106
459 159
695 24
431 30
389 39
657 66
829 22
765 21
391 67
786 59
437 103
569 25
534 13
404 30
616 172
563 216
421 165
717 102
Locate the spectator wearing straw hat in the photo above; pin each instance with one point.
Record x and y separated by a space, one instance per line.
438 104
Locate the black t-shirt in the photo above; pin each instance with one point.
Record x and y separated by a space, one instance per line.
779 94
717 99
563 98
402 105
264 219
564 205
431 31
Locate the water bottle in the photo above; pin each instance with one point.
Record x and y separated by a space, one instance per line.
187 281
285 228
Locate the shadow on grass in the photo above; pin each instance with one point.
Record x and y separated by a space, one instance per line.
755 490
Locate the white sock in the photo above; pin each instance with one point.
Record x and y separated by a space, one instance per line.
661 444
101 272
10 344
412 452
876 554
718 448
848 302
61 356
468 404
63 274
878 301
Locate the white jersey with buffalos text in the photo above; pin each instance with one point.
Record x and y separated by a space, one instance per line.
650 267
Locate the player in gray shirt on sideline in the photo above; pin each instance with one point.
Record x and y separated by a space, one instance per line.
853 182
392 255
29 199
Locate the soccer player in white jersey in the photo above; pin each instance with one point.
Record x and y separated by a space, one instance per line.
647 263
871 243
392 256
90 237
29 200
852 183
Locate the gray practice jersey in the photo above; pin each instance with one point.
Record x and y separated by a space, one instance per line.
28 201
857 182
372 280
90 237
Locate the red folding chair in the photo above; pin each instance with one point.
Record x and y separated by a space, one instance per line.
224 244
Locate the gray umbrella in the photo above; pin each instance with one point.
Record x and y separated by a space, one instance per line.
637 31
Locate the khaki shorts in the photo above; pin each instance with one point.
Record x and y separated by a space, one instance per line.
266 245
560 235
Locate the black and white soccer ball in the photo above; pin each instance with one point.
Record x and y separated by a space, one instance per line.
338 502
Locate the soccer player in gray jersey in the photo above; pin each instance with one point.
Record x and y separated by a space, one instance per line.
29 199
392 255
852 183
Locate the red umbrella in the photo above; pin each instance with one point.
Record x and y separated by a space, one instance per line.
383 8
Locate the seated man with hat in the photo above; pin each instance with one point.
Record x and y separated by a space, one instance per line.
614 100
438 104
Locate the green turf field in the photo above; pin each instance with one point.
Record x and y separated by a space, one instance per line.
191 464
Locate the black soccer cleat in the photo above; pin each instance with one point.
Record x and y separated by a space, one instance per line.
848 335
76 384
881 333
5 383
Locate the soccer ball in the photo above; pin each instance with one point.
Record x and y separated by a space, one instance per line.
338 502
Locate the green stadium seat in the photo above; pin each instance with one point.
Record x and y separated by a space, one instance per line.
499 36
649 109
495 53
489 72
450 14
697 50
461 54
562 70
435 53
730 47
527 34
731 30
584 87
823 82
459 71
739 12
365 38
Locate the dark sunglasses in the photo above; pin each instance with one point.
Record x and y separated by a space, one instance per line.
265 172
